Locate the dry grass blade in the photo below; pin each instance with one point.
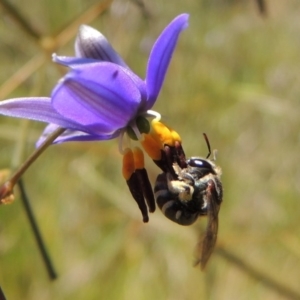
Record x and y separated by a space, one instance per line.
2 297
273 284
20 19
50 44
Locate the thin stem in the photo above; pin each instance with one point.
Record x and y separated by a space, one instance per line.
262 7
2 297
36 232
36 154
264 279
144 10
6 190
16 15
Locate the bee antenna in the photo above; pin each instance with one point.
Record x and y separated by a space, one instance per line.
208 145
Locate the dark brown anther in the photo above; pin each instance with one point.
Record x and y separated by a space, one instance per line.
137 193
162 162
146 188
180 155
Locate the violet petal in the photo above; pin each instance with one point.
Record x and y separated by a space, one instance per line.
72 62
38 109
100 96
71 136
90 43
161 55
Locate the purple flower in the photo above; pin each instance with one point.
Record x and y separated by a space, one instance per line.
100 97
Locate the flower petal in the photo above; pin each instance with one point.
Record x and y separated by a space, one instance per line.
72 62
161 55
100 96
90 43
38 109
71 136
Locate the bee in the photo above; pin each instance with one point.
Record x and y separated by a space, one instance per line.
195 191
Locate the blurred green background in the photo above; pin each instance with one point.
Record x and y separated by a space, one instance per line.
234 75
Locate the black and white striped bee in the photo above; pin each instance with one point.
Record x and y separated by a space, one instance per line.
195 191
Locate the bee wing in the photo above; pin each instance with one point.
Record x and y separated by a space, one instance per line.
207 242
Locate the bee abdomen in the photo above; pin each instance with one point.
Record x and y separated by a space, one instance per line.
170 204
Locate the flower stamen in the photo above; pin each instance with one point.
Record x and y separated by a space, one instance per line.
120 143
133 182
143 178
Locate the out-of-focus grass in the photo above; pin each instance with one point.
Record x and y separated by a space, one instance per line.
235 75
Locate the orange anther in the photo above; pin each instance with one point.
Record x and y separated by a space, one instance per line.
151 146
128 164
138 158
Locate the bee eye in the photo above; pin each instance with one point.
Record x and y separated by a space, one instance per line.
199 163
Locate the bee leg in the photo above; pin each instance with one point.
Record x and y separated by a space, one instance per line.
168 155
166 161
180 155
174 155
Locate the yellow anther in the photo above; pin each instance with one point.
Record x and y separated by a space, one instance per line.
138 158
151 146
175 136
128 164
162 132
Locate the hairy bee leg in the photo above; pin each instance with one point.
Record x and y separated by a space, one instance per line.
169 160
137 193
171 155
165 163
180 155
154 148
146 188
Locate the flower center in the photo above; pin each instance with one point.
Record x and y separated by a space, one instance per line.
140 125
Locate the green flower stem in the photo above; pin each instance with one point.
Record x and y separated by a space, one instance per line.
36 232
